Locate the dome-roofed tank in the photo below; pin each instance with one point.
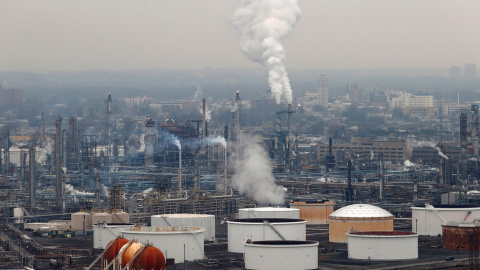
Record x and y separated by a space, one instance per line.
120 217
129 252
150 258
114 249
358 217
101 217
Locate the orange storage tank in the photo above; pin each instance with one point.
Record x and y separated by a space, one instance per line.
129 253
151 258
113 249
315 211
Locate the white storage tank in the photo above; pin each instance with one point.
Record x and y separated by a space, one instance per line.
382 246
103 233
358 217
269 212
207 222
101 218
80 221
281 255
176 243
120 217
428 220
261 229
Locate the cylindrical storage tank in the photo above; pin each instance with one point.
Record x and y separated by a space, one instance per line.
178 243
268 212
314 212
103 233
461 236
120 217
279 255
150 258
113 249
261 229
382 246
428 220
18 212
102 218
81 221
206 222
358 217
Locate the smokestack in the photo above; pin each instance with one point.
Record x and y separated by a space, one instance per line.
330 146
415 189
98 189
58 162
225 172
463 130
204 123
32 180
179 172
289 119
278 120
225 132
23 168
349 190
7 153
381 175
42 137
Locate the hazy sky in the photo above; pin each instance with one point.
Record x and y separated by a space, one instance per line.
69 35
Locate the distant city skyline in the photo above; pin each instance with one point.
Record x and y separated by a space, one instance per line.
186 34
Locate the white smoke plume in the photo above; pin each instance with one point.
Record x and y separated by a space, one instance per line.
208 113
440 153
198 93
411 143
253 173
217 140
263 25
146 191
372 155
72 191
142 143
42 155
105 191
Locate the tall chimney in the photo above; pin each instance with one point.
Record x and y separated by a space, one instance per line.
179 172
330 146
349 191
225 132
58 162
278 120
204 123
32 180
289 119
381 176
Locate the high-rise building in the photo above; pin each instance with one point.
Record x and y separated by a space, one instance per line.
455 72
470 71
323 90
355 93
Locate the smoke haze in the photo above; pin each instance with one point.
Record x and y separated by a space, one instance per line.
263 25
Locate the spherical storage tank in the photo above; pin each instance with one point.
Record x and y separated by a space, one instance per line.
261 229
314 212
101 218
269 212
358 217
428 220
103 233
79 219
113 249
382 246
178 243
207 222
278 255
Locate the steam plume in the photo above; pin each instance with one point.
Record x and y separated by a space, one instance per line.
70 189
263 25
217 140
253 174
440 153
